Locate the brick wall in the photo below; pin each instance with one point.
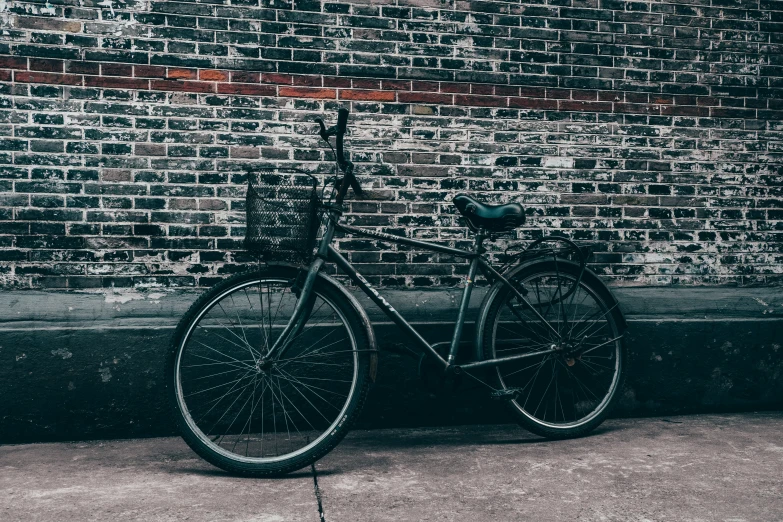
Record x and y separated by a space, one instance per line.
650 128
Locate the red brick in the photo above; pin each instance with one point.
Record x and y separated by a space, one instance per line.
479 88
532 92
662 99
506 90
455 88
182 74
213 75
361 83
532 103
684 110
183 86
396 85
116 83
586 95
6 75
366 95
13 62
636 108
308 81
685 100
281 79
249 89
558 94
610 96
306 92
566 105
149 71
425 86
83 67
37 64
334 81
245 77
636 97
52 78
116 69
480 101
425 97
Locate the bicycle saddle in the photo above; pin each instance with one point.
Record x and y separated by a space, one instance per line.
494 218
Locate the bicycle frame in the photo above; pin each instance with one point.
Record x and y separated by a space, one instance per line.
326 252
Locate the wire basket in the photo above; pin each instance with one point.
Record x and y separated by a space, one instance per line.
283 214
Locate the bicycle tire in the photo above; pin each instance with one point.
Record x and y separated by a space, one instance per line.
202 443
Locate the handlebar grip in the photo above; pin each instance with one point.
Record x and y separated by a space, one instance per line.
342 120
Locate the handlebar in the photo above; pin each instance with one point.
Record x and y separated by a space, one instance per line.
345 165
342 121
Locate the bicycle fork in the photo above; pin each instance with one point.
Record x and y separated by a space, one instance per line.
305 303
299 316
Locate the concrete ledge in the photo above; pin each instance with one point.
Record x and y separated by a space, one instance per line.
90 364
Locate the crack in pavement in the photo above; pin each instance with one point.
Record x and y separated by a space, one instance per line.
318 494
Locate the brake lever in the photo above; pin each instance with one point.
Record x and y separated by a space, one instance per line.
324 132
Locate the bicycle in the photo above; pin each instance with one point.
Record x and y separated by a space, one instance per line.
268 370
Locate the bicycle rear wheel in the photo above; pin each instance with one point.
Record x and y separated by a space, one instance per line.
570 392
257 416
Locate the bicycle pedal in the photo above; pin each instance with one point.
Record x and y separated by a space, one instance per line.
509 394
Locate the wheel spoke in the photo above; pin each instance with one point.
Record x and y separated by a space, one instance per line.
242 339
602 344
309 387
218 351
241 364
308 400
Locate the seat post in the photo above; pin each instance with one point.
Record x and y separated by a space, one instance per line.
481 235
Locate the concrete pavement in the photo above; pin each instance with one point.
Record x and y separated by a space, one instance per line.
687 468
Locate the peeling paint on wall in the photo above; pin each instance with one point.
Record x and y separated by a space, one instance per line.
105 374
5 18
62 352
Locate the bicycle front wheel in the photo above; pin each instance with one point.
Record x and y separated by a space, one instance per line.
253 415
569 392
